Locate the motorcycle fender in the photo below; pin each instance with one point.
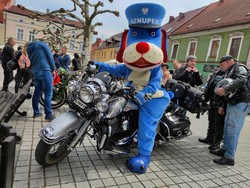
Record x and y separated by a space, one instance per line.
61 127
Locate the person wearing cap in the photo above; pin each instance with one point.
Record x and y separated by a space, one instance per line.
238 106
189 73
216 112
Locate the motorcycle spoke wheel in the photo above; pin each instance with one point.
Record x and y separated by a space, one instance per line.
58 99
47 155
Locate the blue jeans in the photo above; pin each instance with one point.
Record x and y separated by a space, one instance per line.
43 82
234 120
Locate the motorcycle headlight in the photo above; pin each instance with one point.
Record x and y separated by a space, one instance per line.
72 85
89 93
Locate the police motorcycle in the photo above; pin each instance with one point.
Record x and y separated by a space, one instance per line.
103 109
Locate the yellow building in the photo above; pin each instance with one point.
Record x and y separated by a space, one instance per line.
107 51
17 23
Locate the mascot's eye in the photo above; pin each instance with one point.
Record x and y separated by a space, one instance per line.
153 33
134 34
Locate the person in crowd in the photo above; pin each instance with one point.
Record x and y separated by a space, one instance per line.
165 76
43 70
76 62
23 71
56 58
216 112
64 59
164 67
7 55
176 64
238 106
189 73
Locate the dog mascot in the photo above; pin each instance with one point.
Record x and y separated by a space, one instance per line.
143 50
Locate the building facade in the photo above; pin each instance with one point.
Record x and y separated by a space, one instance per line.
18 24
221 28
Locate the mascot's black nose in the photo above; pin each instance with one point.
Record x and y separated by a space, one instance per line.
142 47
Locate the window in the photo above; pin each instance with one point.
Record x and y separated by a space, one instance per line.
175 48
111 54
74 34
80 47
235 43
31 35
192 48
21 20
214 48
32 23
71 45
19 34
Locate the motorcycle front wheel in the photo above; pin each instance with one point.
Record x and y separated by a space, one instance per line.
47 155
58 99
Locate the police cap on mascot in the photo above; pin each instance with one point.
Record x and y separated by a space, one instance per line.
143 49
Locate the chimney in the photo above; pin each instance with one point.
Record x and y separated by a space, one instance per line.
181 15
171 18
221 1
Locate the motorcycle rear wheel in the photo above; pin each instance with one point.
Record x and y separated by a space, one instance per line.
58 99
47 155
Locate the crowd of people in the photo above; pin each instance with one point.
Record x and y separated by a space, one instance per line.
228 104
35 60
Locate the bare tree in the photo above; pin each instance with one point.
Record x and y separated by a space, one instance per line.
88 12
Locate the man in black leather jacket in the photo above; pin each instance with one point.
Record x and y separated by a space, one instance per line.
7 55
216 112
238 106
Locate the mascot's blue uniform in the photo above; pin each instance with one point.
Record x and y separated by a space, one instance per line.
143 49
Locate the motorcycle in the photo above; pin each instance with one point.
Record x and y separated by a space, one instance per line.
60 85
103 108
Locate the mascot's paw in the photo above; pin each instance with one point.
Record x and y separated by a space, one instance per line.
138 164
171 94
140 98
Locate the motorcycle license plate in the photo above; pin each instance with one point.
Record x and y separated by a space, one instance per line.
84 108
79 103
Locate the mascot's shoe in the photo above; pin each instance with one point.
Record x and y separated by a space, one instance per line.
138 164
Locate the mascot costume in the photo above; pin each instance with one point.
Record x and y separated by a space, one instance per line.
143 50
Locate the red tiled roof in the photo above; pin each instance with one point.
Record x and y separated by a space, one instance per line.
17 10
179 20
223 13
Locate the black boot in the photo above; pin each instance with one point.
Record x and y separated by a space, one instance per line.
224 161
219 152
206 140
215 145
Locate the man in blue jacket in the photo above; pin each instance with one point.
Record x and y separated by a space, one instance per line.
43 69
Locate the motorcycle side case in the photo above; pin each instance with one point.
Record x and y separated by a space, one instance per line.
60 127
174 126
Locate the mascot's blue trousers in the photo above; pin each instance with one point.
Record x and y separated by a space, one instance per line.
149 115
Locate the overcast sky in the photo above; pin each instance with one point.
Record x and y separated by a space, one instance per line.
112 24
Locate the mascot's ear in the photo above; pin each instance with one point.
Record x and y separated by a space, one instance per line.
123 46
164 45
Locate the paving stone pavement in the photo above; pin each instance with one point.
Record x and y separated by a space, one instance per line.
178 164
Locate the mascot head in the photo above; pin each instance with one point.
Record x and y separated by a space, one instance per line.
144 45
